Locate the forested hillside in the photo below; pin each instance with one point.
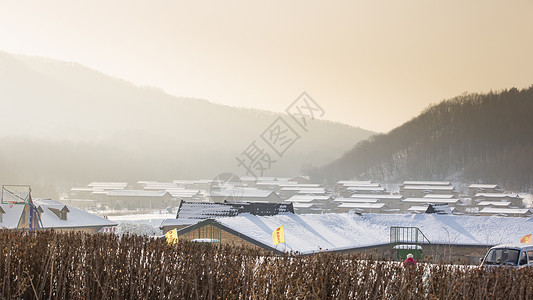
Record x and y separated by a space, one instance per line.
63 124
474 137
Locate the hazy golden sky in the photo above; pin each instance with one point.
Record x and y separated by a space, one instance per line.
373 64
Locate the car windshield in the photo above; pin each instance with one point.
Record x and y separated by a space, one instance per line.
502 256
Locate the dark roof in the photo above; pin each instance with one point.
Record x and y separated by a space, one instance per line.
209 210
441 209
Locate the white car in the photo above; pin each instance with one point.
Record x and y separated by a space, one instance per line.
515 255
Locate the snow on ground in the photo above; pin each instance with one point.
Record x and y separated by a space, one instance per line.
137 229
141 224
528 199
315 232
154 219
335 231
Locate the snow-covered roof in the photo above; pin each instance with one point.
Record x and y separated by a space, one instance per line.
108 184
303 205
203 181
184 181
76 218
418 208
179 222
377 196
209 210
483 186
270 183
441 196
307 198
177 193
313 191
242 193
494 203
363 205
11 217
264 178
248 178
299 185
426 183
357 182
505 211
312 232
136 193
82 189
160 187
205 210
439 209
430 200
496 195
356 200
429 187
365 188
299 188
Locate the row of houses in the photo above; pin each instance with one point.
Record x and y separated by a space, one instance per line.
306 197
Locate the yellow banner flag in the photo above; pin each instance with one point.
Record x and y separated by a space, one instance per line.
526 239
278 236
172 236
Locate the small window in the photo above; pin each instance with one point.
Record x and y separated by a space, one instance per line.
530 254
523 258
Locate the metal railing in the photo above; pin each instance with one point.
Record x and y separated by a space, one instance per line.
410 239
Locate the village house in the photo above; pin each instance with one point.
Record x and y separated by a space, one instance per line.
363 207
418 191
426 201
506 212
392 201
474 189
190 213
51 214
304 204
494 204
515 199
201 184
139 199
244 195
353 190
421 188
94 189
287 192
341 185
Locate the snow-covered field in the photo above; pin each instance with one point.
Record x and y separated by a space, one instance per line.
153 219
312 232
141 224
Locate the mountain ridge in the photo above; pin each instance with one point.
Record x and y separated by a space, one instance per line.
486 138
134 133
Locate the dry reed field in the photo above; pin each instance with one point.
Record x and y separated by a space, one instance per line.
51 265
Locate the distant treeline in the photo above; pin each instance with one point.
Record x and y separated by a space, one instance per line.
50 265
486 138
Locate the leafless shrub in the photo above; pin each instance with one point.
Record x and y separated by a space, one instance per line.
52 265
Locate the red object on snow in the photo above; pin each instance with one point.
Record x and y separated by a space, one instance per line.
409 262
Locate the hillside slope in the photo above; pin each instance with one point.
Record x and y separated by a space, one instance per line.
63 124
473 137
